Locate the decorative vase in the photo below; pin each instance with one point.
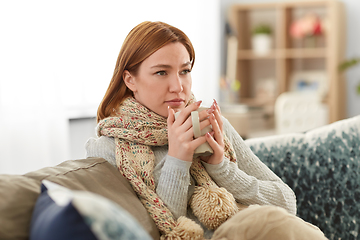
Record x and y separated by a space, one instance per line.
261 44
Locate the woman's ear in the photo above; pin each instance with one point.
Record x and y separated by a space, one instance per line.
129 80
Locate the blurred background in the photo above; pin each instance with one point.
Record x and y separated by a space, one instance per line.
263 60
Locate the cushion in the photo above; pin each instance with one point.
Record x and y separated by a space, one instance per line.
96 175
267 223
322 166
61 213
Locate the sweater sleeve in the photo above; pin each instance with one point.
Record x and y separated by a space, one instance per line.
173 184
250 180
102 147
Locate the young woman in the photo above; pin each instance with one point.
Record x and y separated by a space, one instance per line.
187 197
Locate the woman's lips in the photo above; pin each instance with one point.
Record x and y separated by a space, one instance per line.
175 102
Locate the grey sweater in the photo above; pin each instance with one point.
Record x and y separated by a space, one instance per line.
250 181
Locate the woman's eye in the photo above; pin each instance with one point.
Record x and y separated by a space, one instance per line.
161 73
186 71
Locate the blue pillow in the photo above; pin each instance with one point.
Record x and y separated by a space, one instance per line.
61 213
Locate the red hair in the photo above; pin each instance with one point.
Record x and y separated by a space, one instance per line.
142 41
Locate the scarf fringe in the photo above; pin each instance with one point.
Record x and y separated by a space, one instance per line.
185 229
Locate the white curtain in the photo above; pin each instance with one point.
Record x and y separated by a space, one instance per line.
57 58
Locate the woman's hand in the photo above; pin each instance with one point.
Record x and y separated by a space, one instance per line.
216 137
181 135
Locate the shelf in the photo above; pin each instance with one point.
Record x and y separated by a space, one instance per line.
249 54
306 53
284 53
281 5
257 102
273 73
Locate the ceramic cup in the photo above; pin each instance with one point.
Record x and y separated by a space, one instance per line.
204 149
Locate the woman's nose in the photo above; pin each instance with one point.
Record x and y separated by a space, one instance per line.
176 84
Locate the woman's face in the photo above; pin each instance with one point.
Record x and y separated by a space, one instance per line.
163 79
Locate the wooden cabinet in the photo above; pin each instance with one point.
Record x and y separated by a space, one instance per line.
289 56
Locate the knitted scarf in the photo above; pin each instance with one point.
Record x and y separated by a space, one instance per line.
135 129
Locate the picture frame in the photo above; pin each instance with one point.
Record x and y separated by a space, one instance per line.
309 81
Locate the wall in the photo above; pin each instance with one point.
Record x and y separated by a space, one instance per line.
352 9
353 50
57 59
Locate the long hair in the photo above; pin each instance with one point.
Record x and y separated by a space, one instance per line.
142 41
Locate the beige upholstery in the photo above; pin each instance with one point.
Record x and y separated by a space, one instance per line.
267 223
19 193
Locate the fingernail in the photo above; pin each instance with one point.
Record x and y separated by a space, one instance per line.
198 103
210 134
210 110
215 101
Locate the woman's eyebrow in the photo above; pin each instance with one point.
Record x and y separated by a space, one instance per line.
161 66
186 64
169 66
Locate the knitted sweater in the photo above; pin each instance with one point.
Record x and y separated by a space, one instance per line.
250 181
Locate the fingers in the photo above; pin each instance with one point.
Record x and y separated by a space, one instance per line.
204 123
216 141
210 139
180 133
181 136
185 113
171 116
206 113
183 132
218 155
218 135
213 110
198 141
217 106
217 114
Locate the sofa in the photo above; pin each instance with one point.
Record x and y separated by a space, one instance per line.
322 166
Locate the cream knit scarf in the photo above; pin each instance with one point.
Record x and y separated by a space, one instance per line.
135 129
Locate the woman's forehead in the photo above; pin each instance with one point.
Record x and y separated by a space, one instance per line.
168 55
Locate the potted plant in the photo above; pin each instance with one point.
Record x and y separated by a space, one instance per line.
349 63
261 39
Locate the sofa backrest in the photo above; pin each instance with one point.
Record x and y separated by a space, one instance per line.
322 166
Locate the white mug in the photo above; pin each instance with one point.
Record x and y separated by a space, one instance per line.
204 149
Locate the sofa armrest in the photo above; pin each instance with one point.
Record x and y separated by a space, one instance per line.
93 174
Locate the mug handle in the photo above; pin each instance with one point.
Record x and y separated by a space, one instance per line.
196 123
